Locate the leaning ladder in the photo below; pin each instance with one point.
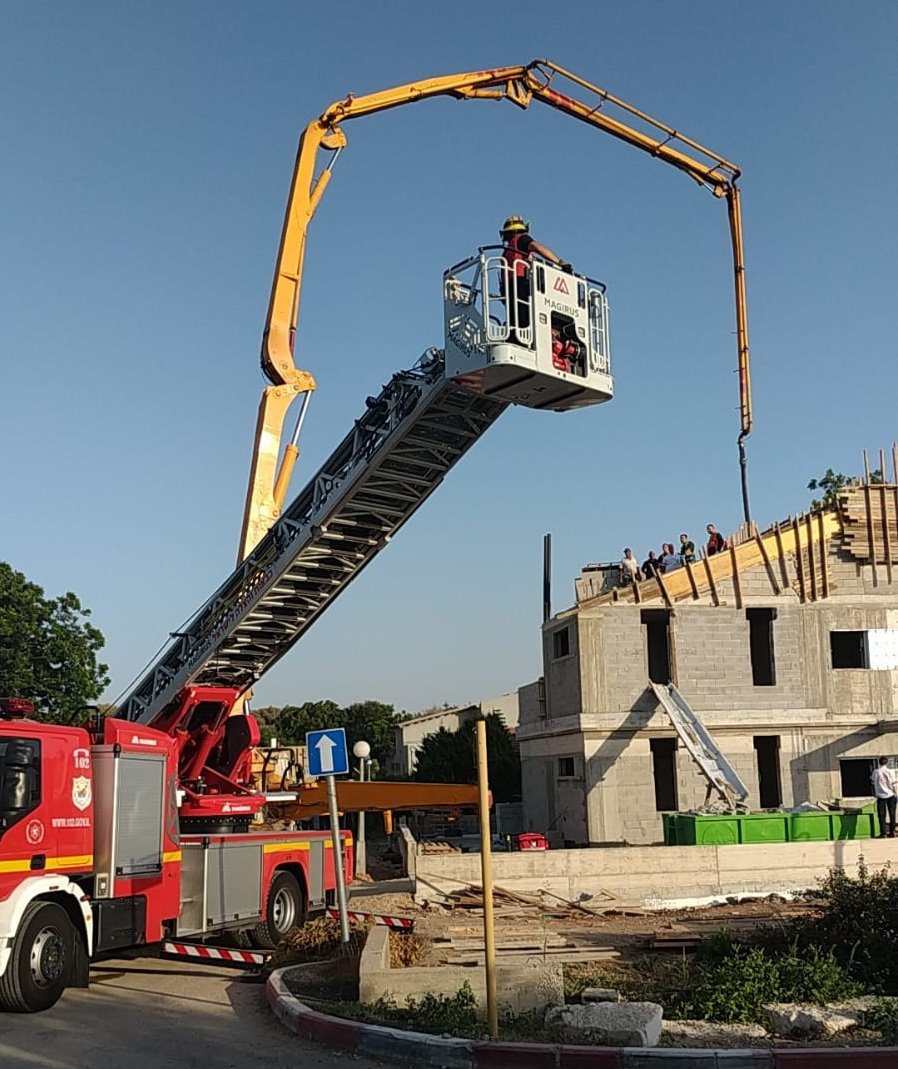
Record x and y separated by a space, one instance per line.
721 775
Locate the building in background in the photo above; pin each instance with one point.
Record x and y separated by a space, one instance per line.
785 645
411 733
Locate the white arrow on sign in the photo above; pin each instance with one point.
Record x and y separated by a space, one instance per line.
325 747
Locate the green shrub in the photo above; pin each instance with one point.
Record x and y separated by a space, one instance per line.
725 980
734 984
882 1017
860 923
454 1015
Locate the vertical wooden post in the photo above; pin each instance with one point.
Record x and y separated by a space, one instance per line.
486 870
737 582
799 563
765 557
692 583
884 505
812 561
663 589
781 550
868 508
715 597
824 565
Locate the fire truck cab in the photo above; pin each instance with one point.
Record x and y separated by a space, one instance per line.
93 859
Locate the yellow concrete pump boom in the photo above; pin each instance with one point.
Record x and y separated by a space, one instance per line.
521 85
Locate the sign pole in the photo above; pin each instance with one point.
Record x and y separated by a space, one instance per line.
339 870
486 868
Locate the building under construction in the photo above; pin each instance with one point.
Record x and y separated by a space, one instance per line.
785 646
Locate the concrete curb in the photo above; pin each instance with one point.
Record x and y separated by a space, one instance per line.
399 1047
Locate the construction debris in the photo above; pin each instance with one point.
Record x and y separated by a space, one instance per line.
544 902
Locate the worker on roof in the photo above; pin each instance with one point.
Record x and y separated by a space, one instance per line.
519 249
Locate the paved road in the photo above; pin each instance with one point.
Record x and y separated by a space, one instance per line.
149 1014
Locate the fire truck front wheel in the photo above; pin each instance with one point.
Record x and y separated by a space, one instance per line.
284 911
40 965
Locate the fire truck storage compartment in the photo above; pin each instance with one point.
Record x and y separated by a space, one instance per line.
120 922
129 811
221 884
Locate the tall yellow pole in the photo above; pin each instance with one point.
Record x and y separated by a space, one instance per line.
486 868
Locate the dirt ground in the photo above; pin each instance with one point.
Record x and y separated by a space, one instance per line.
621 931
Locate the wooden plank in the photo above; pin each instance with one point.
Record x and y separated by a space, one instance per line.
663 588
824 562
637 596
799 563
737 581
812 563
868 510
765 556
712 586
692 583
781 553
886 529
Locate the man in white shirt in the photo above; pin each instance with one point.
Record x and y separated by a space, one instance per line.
629 568
885 784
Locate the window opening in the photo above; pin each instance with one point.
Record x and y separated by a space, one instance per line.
566 768
657 626
561 643
848 649
855 774
664 770
760 640
770 787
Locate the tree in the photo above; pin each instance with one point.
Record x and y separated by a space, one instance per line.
369 720
832 482
450 757
48 650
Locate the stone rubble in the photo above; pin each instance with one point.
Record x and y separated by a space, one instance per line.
612 1024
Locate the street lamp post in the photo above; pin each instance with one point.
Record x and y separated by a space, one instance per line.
362 751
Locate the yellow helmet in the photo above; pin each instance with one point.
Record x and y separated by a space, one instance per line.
514 224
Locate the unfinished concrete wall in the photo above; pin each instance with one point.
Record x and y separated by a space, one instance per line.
656 875
530 986
562 669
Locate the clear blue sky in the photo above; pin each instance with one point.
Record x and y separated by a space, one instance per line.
147 152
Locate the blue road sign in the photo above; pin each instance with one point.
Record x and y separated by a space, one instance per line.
327 752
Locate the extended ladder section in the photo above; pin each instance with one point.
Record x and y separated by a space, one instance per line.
396 455
720 774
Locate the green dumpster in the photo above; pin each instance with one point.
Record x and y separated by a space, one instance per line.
853 825
763 827
811 826
699 830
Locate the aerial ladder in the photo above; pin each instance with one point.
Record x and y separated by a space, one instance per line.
295 560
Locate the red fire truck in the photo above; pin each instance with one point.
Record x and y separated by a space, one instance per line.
92 857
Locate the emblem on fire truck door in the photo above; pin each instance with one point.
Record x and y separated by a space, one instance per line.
81 796
34 832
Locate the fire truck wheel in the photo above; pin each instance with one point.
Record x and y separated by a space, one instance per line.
284 911
40 965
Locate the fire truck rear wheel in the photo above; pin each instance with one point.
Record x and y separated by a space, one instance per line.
284 911
40 965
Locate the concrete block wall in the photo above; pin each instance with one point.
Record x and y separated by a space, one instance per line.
656 876
531 986
562 674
